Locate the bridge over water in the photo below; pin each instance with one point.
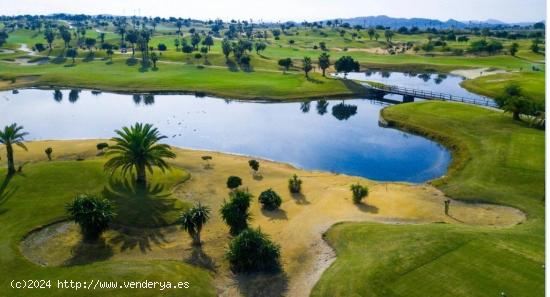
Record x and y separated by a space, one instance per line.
409 94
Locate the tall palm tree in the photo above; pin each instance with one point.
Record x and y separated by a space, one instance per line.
12 134
137 149
193 220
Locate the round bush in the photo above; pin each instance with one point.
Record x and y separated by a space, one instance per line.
270 200
234 182
253 251
161 47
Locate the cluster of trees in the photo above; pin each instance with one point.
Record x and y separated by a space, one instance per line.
344 64
482 45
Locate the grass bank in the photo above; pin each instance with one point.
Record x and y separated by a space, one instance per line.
38 196
532 84
495 160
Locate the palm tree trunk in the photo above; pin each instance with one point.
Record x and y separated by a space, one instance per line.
197 239
11 164
141 175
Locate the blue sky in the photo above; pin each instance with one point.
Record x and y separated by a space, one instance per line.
298 10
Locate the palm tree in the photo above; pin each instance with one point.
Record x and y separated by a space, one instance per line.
193 220
92 213
12 134
137 149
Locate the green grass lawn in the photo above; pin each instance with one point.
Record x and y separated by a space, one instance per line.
213 75
496 160
531 83
38 196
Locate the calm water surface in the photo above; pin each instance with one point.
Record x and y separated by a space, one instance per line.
322 135
442 83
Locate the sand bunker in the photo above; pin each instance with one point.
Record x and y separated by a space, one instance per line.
475 73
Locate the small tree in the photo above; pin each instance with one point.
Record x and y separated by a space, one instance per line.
270 200
260 46
514 49
285 63
207 160
254 165
162 47
208 41
204 51
72 53
90 43
346 64
49 152
513 101
324 62
307 66
92 213
295 184
234 182
253 251
110 53
235 211
102 146
226 48
193 220
359 192
154 58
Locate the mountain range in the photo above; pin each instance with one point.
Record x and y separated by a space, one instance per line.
391 22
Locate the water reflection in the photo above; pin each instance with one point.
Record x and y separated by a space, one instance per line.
322 106
425 77
350 141
147 99
344 111
73 95
57 96
305 106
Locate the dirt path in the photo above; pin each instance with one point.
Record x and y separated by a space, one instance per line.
298 227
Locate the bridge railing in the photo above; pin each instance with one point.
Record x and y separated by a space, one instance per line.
424 94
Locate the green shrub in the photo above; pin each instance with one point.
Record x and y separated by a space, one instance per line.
253 251
193 221
92 213
359 192
235 211
102 146
295 184
49 152
234 182
270 200
254 164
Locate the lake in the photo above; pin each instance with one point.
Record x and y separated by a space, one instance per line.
434 82
334 135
